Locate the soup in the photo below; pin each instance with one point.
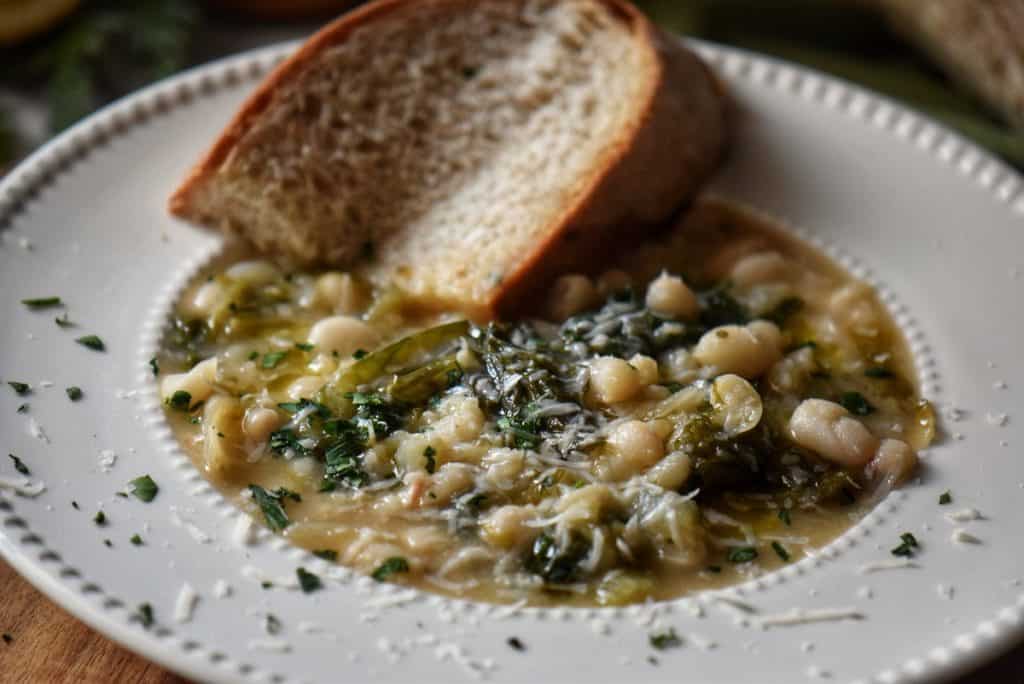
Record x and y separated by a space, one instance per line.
721 401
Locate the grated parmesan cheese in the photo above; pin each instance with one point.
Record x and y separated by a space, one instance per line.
185 605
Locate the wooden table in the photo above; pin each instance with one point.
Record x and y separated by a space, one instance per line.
51 646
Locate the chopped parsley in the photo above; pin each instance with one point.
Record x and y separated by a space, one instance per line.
429 454
144 614
63 321
180 400
100 518
855 403
515 643
19 465
23 408
742 554
945 498
74 393
308 581
271 359
303 404
391 566
253 355
271 503
144 488
326 554
780 551
154 365
305 346
43 302
272 624
284 440
109 544
788 307
359 353
785 517
136 540
20 388
664 640
878 372
907 546
92 342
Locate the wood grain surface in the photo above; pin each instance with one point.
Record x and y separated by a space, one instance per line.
51 646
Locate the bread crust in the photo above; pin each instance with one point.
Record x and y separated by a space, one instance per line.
656 164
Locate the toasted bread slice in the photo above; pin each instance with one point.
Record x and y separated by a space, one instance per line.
478 146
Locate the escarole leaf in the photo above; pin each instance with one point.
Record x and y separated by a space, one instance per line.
418 385
388 359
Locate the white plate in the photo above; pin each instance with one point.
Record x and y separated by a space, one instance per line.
932 220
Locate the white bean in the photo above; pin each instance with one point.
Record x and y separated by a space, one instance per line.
204 301
613 380
669 296
305 387
342 335
646 368
747 351
635 447
586 504
759 268
738 406
340 292
570 295
853 308
256 272
458 419
612 282
449 480
894 462
827 429
506 527
198 382
671 472
260 422
503 467
411 453
223 442
791 373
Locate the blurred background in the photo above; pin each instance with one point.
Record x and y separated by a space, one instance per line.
960 61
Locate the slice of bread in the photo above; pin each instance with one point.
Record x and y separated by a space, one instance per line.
474 147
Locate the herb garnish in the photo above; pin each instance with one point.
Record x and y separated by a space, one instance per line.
785 517
855 403
74 393
305 346
272 624
144 488
271 359
302 404
19 465
23 408
359 353
429 454
100 518
780 551
42 302
154 365
326 554
63 321
271 503
92 342
742 554
20 388
665 640
180 400
389 567
308 581
144 614
906 548
945 498
516 643
136 540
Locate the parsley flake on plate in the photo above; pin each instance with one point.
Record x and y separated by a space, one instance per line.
742 554
144 615
326 554
100 518
42 302
308 581
20 388
945 498
19 465
664 640
780 551
92 342
907 546
271 359
144 488
74 393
